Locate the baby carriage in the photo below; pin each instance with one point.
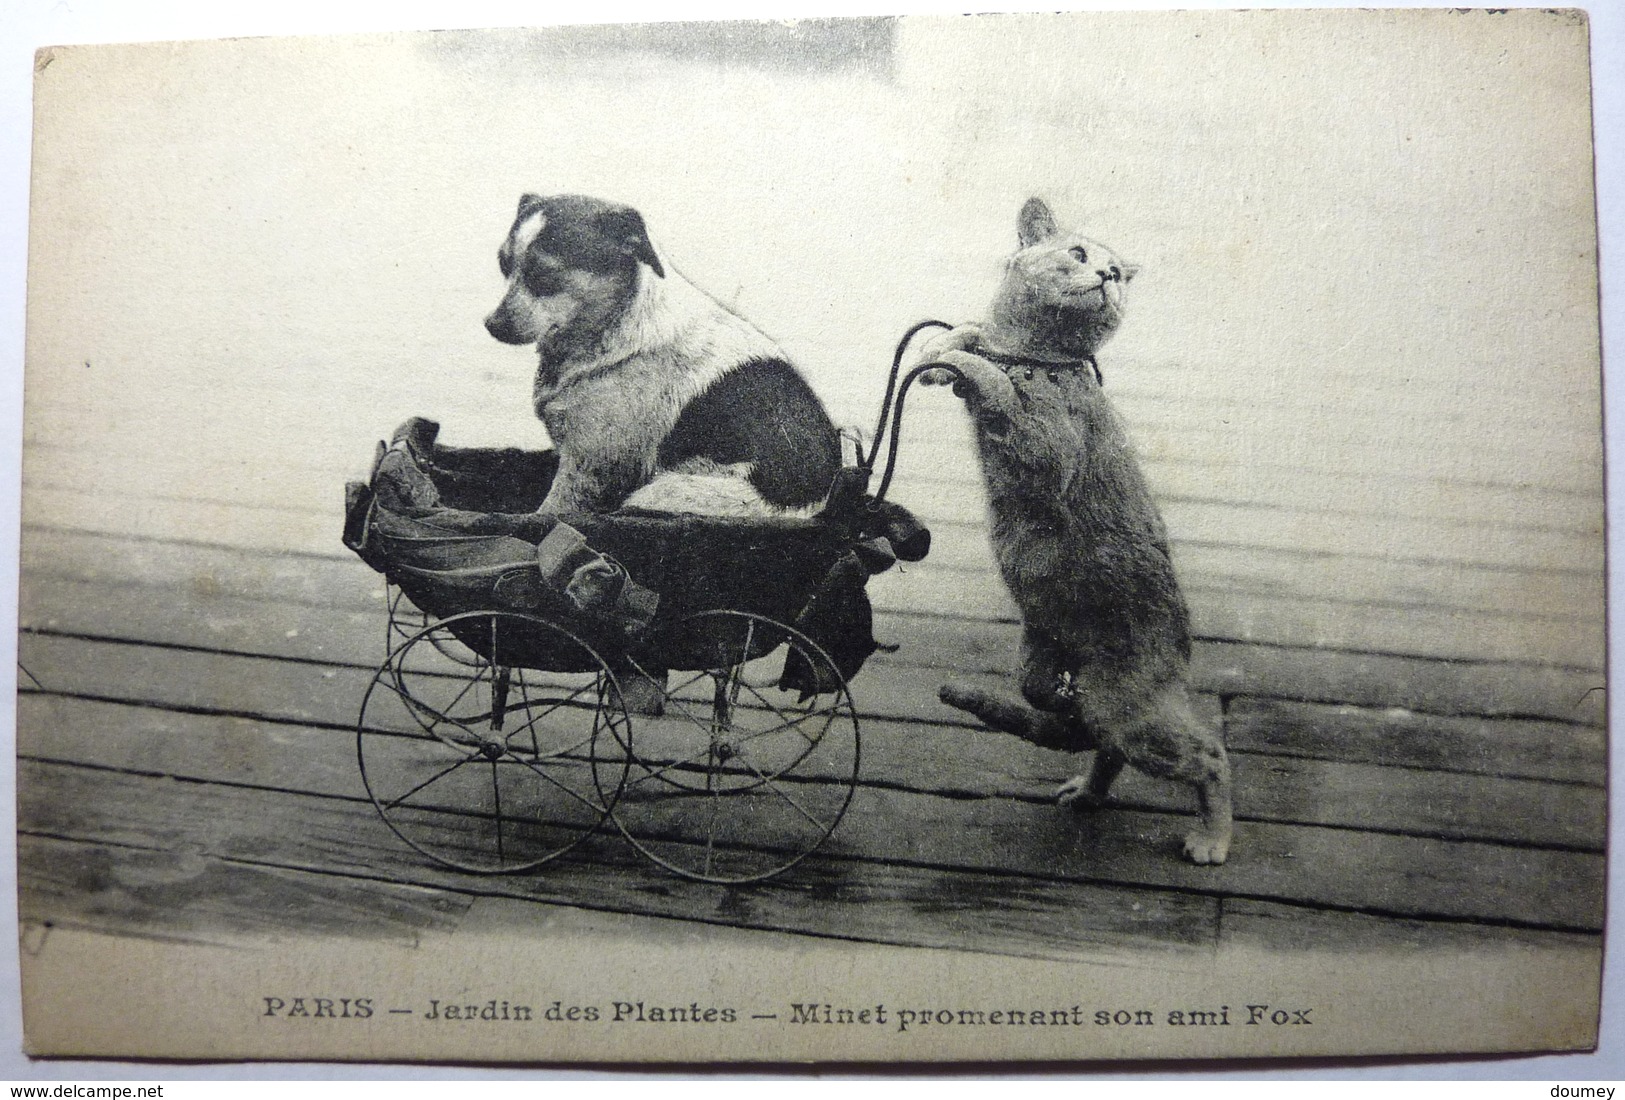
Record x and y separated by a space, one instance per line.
502 729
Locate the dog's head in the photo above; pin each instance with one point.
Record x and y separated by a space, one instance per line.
572 265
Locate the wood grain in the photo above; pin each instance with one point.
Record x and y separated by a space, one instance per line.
856 901
235 599
954 763
1331 867
179 893
1402 738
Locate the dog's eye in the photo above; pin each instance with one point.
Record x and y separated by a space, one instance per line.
1077 253
1116 273
543 281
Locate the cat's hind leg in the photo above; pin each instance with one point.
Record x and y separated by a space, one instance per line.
1061 732
1169 741
1047 683
1084 793
1046 671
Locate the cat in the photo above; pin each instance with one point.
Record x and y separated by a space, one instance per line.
1079 541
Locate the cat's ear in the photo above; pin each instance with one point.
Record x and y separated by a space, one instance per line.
1036 223
1129 270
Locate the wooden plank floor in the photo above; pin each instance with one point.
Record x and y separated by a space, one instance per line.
187 770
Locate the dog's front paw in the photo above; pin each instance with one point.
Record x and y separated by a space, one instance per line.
938 376
1207 849
1076 796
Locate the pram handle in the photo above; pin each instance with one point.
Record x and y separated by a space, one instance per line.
895 412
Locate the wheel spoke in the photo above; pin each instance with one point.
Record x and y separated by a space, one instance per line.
552 705
750 743
688 683
656 773
736 675
430 714
606 716
480 668
441 774
583 799
711 821
454 698
829 713
684 712
496 799
445 715
524 693
774 787
670 691
392 597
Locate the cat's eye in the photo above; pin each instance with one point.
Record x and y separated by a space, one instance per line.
1116 273
1079 254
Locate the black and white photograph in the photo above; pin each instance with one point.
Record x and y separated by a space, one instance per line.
1011 537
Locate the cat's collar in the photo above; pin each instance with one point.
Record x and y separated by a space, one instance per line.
1034 362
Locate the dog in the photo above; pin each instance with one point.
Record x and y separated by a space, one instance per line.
655 395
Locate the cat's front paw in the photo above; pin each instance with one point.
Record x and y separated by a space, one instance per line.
1076 796
958 338
977 379
938 376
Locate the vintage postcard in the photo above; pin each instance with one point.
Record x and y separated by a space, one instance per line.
507 576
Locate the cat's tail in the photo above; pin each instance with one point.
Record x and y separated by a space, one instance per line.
1062 732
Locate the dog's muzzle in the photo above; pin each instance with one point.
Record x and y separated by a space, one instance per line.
500 324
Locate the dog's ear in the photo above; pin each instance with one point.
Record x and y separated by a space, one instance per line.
1036 223
625 227
528 203
1129 270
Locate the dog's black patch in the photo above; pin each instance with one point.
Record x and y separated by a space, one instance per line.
584 234
762 412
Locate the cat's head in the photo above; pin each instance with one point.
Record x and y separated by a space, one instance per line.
1061 288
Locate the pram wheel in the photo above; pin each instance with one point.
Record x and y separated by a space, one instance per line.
481 763
739 779
405 619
